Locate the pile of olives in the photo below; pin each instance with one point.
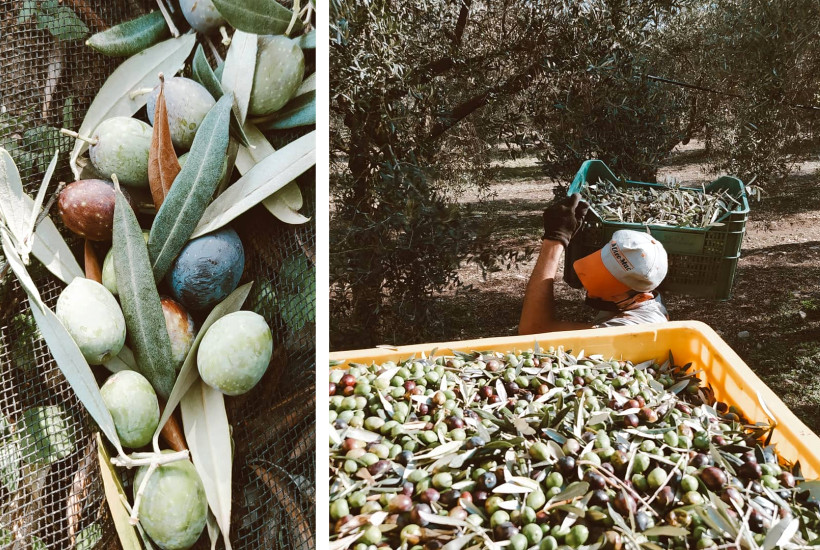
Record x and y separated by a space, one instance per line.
542 449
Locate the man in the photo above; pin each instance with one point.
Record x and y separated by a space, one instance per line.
620 279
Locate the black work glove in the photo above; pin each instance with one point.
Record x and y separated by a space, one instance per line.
563 219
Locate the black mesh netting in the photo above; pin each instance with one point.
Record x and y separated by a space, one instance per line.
48 78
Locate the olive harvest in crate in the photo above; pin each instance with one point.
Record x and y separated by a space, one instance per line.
545 449
157 278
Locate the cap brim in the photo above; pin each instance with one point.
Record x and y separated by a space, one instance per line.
596 278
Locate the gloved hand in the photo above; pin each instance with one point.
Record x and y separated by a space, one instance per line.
563 219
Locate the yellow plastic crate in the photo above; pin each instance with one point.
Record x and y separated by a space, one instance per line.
732 380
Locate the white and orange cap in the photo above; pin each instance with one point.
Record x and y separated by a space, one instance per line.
631 260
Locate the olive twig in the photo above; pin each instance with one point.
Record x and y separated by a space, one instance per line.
668 477
140 91
75 135
294 18
226 40
168 20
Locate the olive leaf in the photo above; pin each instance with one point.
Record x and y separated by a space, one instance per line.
208 434
66 354
300 111
188 373
140 300
114 495
781 533
257 16
89 537
44 435
10 458
192 189
11 196
138 71
283 204
280 485
202 73
240 65
264 179
130 37
163 165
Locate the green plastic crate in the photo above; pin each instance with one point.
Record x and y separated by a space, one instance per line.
702 261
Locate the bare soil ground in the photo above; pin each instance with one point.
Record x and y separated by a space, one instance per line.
776 297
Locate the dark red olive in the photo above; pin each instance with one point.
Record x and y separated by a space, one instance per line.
666 497
449 498
750 470
466 496
505 531
408 488
756 522
748 456
786 480
454 422
718 440
599 498
348 380
332 389
424 409
632 404
713 478
347 391
485 392
429 495
648 415
567 465
625 504
379 468
631 421
721 406
612 541
416 518
700 460
494 399
730 494
404 458
87 208
578 381
409 385
683 407
493 365
458 513
480 497
596 481
400 503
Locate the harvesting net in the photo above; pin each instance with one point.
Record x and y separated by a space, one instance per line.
51 493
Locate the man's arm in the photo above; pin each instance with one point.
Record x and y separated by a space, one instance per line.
538 311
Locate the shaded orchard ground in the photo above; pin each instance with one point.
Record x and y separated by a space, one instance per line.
776 296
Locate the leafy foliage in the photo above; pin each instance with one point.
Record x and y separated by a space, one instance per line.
424 93
60 21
